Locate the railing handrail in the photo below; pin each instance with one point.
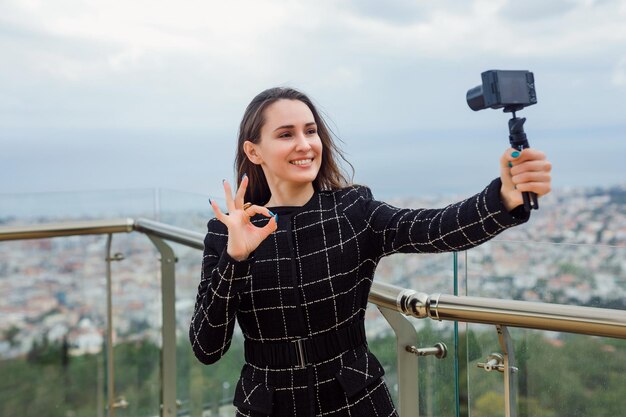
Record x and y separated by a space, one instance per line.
73 228
526 314
99 227
171 233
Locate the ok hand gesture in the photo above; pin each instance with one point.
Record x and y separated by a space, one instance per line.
243 236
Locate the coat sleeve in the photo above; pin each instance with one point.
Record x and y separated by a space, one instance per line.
457 227
221 280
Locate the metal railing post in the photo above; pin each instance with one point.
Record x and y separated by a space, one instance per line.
510 386
168 332
408 388
110 361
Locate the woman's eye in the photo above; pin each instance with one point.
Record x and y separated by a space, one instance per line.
285 135
311 131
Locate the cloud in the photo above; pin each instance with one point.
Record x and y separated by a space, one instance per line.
196 63
530 10
402 13
619 73
95 70
138 35
503 28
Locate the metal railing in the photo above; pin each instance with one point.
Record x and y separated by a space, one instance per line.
391 300
525 314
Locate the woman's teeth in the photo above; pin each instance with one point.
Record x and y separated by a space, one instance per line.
302 162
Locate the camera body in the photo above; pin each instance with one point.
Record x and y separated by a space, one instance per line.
512 90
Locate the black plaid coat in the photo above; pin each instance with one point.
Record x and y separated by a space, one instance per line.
312 276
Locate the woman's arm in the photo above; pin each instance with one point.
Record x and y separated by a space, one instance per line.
456 227
226 270
462 225
222 279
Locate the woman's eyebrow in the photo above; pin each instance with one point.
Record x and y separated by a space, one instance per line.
292 126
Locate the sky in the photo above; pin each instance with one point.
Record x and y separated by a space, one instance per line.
101 95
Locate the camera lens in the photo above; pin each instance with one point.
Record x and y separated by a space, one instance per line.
475 98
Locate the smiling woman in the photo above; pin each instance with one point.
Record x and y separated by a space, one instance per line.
275 121
290 154
294 259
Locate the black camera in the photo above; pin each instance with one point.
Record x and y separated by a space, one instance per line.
512 90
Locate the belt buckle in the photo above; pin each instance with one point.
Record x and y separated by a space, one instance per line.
301 355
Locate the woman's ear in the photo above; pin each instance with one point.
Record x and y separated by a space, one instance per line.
252 152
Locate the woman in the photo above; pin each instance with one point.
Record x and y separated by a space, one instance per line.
296 265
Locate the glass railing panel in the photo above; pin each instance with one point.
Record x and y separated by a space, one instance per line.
189 211
52 332
578 274
570 252
57 289
204 389
201 388
137 322
437 377
559 374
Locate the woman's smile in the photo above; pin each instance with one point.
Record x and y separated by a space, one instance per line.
302 162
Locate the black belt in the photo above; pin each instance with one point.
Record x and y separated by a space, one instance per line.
305 351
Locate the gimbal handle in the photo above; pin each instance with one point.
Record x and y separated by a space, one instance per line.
519 141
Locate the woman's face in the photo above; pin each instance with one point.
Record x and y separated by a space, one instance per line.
290 150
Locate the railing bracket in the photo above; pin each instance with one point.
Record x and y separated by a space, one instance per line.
440 350
117 257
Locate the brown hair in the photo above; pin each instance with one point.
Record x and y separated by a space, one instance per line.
331 175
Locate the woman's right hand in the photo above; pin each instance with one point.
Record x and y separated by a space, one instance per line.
243 236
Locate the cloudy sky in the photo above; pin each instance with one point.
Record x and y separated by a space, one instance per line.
124 94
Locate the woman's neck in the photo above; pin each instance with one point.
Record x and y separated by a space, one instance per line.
289 195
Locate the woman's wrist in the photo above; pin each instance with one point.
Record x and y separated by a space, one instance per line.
239 257
509 204
510 198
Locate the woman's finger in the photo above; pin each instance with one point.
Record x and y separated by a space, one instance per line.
228 194
254 209
528 166
241 191
539 188
218 212
531 176
271 225
529 154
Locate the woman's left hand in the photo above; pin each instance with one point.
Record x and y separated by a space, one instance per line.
526 170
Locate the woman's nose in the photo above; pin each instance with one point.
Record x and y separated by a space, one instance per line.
302 144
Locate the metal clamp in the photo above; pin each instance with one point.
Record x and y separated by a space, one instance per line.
495 362
120 402
440 350
117 257
434 305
